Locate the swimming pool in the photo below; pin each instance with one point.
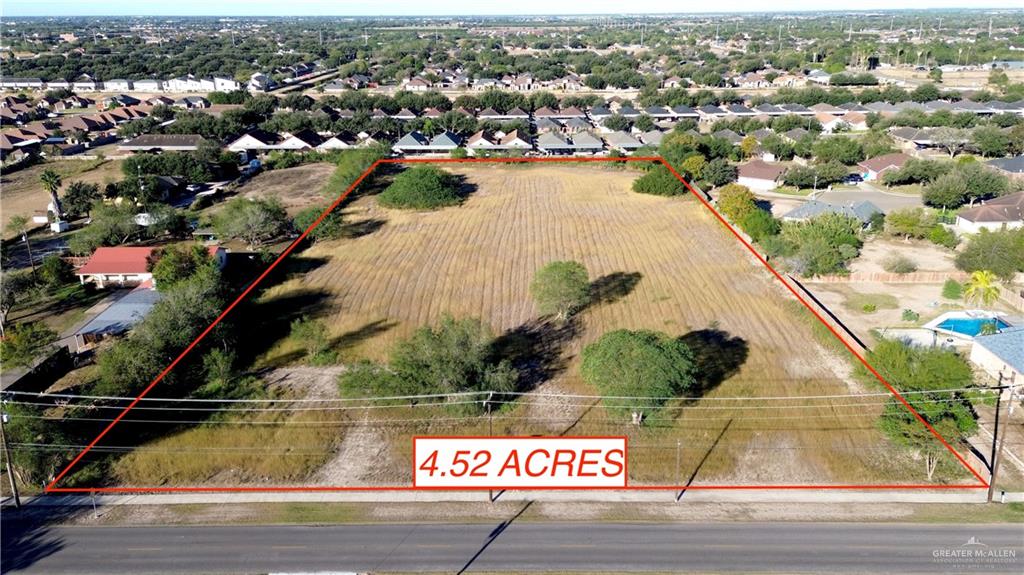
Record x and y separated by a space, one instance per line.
970 326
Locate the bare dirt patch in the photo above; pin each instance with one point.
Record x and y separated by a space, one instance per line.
297 188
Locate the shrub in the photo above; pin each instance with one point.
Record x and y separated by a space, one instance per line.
952 289
869 308
899 264
54 271
910 315
760 225
421 188
943 236
659 182
314 337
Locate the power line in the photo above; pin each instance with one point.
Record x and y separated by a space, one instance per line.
492 393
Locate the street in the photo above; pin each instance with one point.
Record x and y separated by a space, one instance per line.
520 547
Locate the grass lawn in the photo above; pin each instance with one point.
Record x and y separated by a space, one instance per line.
908 190
857 302
792 191
23 193
60 309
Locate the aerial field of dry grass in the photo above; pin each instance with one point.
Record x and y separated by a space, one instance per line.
660 263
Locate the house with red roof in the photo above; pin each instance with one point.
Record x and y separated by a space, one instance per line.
121 265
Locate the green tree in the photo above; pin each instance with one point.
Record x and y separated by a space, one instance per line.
641 369
330 228
823 244
454 356
617 123
952 289
54 271
982 288
172 264
736 202
909 223
659 181
254 221
841 149
1001 252
24 343
314 337
926 373
760 225
111 225
719 172
79 198
560 288
990 141
421 188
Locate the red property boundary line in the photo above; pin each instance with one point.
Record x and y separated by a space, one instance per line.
52 487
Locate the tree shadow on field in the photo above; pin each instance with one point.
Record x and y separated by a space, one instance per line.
717 356
612 287
463 187
535 349
265 323
362 228
352 338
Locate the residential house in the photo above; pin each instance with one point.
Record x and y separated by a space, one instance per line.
873 168
1011 167
117 265
117 85
413 142
759 175
622 142
192 103
1006 212
148 85
1001 355
863 211
163 143
551 143
830 123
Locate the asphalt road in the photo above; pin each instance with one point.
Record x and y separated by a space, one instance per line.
520 547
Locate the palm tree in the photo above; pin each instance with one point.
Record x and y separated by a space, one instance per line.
982 288
52 181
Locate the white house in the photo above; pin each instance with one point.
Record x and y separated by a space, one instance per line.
118 85
1005 213
759 175
225 84
119 265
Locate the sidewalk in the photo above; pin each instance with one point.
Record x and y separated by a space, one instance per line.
700 496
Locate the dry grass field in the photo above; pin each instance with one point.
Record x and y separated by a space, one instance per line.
297 187
660 263
23 194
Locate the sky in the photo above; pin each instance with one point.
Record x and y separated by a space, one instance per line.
450 7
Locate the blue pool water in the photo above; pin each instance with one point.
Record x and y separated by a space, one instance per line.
970 325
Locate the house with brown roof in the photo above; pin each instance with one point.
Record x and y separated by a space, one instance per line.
875 167
759 175
1003 213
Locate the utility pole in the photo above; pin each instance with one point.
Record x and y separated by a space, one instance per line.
7 461
679 469
1002 441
